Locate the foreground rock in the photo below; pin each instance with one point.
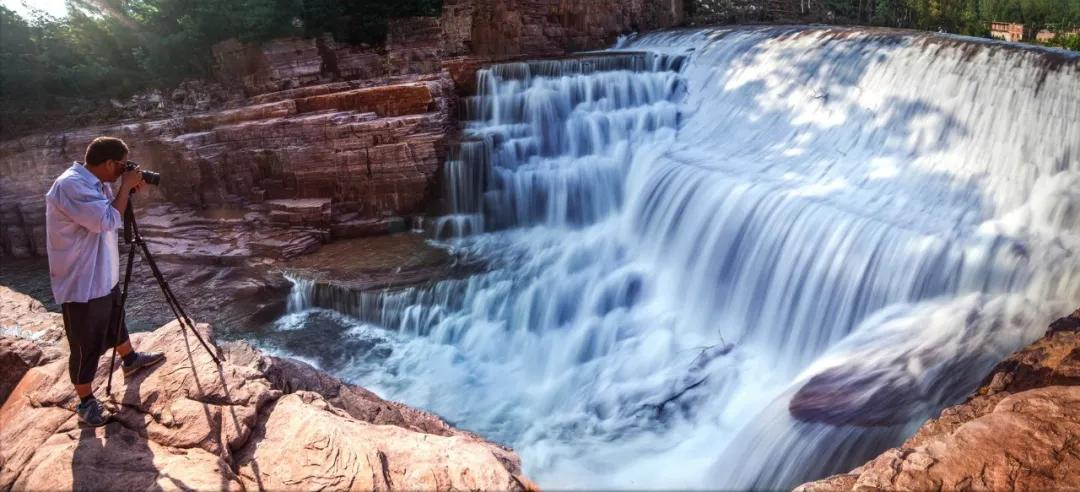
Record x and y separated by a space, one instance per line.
1019 431
255 422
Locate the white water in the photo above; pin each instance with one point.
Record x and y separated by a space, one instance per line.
682 235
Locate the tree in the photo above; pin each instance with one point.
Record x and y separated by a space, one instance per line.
110 48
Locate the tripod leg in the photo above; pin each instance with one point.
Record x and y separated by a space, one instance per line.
118 315
170 298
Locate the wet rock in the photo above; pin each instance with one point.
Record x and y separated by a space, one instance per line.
189 423
379 262
899 369
1018 431
290 376
844 396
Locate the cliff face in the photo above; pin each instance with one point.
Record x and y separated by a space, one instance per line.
255 422
310 161
1018 431
315 138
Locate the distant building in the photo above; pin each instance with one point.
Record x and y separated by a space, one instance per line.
1047 35
1008 31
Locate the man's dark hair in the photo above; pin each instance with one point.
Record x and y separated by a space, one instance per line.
105 148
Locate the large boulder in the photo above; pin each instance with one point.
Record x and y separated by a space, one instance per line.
29 335
253 421
1017 432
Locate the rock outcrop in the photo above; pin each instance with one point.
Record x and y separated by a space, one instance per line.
1019 431
299 142
362 129
369 151
254 422
260 183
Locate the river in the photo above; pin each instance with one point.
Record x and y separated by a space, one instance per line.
681 231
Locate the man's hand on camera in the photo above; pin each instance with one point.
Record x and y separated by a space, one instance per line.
132 180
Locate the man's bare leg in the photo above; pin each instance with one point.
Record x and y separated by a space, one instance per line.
84 390
124 348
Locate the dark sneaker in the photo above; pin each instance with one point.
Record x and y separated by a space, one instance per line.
92 414
142 359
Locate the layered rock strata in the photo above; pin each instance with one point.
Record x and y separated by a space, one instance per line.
300 142
371 151
364 128
467 30
1019 431
254 422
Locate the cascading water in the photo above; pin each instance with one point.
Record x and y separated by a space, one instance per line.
688 232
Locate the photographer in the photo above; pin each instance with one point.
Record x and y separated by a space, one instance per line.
81 219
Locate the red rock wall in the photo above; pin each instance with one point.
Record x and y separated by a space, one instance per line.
364 127
513 27
480 29
371 151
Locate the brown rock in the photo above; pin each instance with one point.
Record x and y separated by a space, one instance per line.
1027 442
537 27
16 357
845 396
188 423
1017 432
835 482
414 45
24 316
305 449
311 131
1052 360
370 151
387 100
275 65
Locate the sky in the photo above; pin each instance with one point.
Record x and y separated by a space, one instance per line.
55 8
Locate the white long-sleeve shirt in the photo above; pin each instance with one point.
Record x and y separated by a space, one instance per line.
80 228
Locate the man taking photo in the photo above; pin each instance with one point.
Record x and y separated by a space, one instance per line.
81 219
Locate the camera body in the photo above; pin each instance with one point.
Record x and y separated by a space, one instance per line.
150 177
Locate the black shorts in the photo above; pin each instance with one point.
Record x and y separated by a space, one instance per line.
90 333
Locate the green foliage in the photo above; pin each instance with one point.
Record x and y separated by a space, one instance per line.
111 48
970 17
1069 42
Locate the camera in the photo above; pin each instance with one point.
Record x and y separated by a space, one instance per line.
149 176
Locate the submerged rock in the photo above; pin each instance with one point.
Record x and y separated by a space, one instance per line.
1018 431
828 398
255 421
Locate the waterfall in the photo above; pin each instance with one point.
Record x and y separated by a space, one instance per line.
688 233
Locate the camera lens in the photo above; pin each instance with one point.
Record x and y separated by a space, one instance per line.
151 177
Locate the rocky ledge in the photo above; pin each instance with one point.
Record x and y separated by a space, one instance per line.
254 422
1019 431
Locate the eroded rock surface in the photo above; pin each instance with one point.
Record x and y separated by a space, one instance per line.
1019 431
254 422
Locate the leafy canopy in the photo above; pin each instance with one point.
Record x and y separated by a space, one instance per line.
109 48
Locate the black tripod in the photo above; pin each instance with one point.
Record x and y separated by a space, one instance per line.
136 242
